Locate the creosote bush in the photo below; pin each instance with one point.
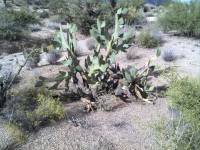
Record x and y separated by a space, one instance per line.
147 40
182 17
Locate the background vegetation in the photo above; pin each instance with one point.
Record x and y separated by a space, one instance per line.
182 17
184 96
13 23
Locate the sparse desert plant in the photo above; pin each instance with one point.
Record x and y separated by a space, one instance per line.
186 21
47 110
16 133
31 108
32 58
13 23
126 3
168 55
176 135
82 13
185 96
147 40
133 13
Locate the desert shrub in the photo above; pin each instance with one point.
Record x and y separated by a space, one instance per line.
16 133
176 135
23 17
82 13
133 15
147 40
48 109
185 96
85 13
169 55
186 20
13 23
44 14
32 108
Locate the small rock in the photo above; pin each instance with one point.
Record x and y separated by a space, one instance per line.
44 59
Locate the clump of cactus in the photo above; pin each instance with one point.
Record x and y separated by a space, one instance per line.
100 73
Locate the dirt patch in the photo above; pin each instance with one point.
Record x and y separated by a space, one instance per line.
127 128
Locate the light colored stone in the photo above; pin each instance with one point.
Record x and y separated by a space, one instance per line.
43 59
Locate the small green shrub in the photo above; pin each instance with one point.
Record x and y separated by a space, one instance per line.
185 96
32 108
23 17
147 40
182 17
133 15
176 135
16 133
13 23
47 110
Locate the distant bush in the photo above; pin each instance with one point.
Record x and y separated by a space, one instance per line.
82 13
147 40
13 23
133 15
31 109
169 55
185 96
182 17
85 13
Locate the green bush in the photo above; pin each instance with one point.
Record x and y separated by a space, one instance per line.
85 13
176 135
182 17
184 94
133 7
32 108
13 23
47 110
16 133
82 13
145 39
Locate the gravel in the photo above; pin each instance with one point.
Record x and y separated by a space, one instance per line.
128 128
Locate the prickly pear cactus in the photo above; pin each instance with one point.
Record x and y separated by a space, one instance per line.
100 72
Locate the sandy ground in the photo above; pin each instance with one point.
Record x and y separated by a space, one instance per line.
127 128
